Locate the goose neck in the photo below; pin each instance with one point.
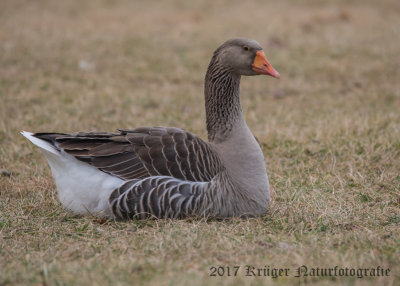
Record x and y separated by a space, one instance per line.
222 100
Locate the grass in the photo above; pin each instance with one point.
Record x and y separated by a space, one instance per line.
329 130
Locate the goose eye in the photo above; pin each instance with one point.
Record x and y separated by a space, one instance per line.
246 48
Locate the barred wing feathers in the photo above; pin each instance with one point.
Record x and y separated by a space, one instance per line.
142 152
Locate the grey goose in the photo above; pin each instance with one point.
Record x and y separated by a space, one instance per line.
166 172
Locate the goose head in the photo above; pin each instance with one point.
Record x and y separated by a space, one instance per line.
244 57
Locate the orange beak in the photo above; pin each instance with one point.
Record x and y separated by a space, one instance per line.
262 66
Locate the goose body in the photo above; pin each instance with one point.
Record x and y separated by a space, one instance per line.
168 172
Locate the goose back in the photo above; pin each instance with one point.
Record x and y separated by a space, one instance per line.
142 152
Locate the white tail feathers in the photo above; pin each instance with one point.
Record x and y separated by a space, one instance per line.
81 187
40 143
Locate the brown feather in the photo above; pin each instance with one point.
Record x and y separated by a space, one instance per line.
141 152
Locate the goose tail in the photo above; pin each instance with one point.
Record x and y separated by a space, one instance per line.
45 146
81 188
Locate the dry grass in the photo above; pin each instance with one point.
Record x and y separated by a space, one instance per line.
330 131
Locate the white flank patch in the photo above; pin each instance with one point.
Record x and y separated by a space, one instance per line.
81 187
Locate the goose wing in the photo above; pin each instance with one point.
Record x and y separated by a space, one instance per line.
141 152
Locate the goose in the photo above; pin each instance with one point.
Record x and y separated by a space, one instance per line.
167 172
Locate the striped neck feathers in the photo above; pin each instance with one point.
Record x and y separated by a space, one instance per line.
222 100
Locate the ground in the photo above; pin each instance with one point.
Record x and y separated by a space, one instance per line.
329 130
